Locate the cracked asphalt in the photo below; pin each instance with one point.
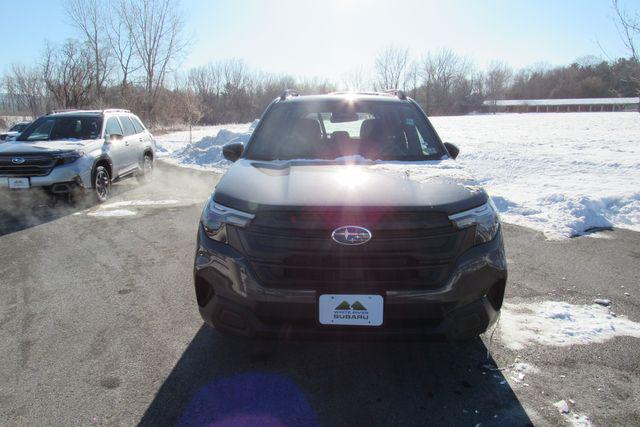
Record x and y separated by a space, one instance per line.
99 326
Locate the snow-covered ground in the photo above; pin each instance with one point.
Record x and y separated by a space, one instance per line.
562 173
556 323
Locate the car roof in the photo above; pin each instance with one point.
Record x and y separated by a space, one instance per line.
359 96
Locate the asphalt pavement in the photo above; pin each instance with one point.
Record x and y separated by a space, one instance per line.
99 326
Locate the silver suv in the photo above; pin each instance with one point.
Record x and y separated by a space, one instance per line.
78 151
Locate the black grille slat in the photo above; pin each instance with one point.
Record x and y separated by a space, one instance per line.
34 165
408 249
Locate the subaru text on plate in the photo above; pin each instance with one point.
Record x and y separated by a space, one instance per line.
345 214
77 152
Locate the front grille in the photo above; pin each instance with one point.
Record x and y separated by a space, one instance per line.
34 165
408 250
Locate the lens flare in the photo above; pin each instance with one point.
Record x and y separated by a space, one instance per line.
351 177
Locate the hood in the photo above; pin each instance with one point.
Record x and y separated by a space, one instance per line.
25 147
441 185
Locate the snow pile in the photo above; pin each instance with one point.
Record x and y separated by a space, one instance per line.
562 174
561 324
206 151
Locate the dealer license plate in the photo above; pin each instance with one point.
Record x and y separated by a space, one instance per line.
355 310
19 183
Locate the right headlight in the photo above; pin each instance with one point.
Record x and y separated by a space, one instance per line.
215 216
484 218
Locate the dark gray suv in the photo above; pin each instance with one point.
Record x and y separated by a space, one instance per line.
345 214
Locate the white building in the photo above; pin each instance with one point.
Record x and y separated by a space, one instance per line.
560 105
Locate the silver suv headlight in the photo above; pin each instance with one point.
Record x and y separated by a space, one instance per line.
69 157
215 216
484 218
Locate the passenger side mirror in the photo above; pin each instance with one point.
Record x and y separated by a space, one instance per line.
232 151
113 138
452 149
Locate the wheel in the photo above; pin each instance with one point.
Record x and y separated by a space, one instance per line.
101 184
147 169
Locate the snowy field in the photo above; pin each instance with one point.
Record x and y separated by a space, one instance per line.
563 174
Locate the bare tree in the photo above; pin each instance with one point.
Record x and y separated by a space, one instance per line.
25 87
122 50
68 73
629 28
496 80
412 79
357 79
156 28
89 18
390 66
445 76
206 82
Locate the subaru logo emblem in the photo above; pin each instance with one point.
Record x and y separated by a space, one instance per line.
351 235
17 160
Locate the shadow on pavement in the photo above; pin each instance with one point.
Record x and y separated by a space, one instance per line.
25 209
222 381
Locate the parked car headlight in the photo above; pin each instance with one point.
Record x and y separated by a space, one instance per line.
69 157
215 216
484 218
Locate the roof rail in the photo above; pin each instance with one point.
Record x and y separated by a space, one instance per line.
351 92
116 110
63 110
287 93
396 92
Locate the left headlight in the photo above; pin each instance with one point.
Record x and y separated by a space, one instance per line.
215 216
484 218
69 157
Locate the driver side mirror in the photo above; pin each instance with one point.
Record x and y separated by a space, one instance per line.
232 151
114 137
452 149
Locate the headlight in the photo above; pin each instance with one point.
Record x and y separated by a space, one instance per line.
215 216
69 157
484 218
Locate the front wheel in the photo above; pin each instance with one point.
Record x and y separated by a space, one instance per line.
101 184
147 169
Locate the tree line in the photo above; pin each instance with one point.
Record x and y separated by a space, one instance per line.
128 54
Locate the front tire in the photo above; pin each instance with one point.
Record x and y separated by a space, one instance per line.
101 184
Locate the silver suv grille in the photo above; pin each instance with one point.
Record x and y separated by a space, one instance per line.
33 165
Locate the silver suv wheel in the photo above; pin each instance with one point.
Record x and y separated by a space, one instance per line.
102 184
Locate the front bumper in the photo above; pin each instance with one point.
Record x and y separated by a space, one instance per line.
231 299
78 173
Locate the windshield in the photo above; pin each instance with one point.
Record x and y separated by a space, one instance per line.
18 127
49 128
338 128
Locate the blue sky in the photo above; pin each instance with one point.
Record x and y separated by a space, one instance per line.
328 38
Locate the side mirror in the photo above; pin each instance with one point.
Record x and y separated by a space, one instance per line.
232 151
113 138
452 149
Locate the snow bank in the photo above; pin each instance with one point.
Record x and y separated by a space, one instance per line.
563 174
556 323
206 150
